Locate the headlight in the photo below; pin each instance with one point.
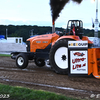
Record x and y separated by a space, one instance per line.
28 46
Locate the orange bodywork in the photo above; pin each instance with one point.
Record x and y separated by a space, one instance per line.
71 37
94 62
85 38
42 41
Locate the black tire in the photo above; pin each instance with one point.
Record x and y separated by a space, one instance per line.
62 57
22 61
39 62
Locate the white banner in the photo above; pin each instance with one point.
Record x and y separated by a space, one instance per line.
78 44
78 62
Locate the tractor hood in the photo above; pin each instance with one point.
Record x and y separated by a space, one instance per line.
41 41
40 37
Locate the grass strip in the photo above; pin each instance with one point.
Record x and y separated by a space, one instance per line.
5 55
21 93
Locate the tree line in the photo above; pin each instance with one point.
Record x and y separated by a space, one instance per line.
26 30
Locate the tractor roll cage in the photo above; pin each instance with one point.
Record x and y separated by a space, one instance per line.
78 27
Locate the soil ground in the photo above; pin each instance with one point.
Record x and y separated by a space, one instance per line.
45 78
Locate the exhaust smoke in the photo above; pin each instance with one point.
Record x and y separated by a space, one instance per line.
57 6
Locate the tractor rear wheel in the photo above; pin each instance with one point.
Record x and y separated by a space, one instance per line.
21 61
59 56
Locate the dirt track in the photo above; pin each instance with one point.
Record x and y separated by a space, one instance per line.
44 78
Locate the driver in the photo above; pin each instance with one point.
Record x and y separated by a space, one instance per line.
73 29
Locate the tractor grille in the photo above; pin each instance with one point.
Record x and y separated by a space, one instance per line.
28 46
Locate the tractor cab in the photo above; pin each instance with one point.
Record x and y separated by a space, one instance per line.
75 27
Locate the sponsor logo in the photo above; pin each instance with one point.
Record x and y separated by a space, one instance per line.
78 44
79 66
79 54
42 42
78 60
38 41
45 41
75 62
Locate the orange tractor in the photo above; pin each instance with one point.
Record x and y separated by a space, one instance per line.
68 53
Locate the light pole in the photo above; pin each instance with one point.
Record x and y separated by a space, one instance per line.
6 33
31 32
96 21
96 25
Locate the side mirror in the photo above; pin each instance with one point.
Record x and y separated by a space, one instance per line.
99 24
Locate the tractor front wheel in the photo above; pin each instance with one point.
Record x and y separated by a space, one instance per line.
21 61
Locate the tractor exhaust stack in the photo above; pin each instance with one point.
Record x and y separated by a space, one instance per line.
53 27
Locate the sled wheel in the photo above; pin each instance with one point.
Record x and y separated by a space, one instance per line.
59 56
39 62
21 61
